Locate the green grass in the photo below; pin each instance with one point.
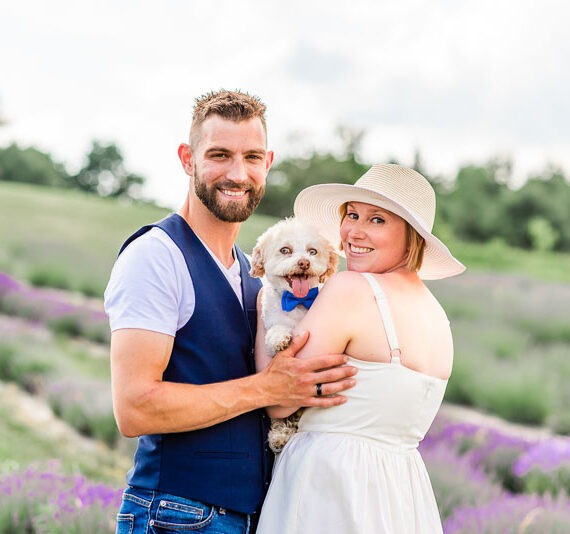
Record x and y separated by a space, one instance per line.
497 257
64 238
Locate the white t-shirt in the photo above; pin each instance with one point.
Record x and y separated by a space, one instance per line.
150 286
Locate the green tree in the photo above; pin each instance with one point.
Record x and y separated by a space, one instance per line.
475 205
104 173
542 235
545 198
30 165
290 176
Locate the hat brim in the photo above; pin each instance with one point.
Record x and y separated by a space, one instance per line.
319 205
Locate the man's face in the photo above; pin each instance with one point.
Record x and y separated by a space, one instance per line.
230 164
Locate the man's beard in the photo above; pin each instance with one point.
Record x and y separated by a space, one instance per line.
230 211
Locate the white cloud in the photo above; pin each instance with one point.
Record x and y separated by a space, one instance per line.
461 81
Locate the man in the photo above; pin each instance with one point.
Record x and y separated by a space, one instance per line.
182 311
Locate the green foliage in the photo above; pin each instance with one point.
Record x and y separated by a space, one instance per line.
545 198
552 482
30 165
79 325
290 176
560 422
499 465
555 331
104 174
17 367
478 206
80 402
474 206
542 234
460 386
519 398
49 276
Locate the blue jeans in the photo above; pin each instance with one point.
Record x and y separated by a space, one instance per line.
152 512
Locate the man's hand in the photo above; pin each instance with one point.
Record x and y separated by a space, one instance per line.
145 404
293 382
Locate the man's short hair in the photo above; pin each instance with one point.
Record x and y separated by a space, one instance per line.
230 105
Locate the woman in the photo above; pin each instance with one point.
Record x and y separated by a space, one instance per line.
355 468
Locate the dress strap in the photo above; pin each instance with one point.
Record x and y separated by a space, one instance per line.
386 315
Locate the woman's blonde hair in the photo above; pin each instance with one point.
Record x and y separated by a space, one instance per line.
415 243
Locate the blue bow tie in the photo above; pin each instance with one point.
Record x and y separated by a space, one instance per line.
290 301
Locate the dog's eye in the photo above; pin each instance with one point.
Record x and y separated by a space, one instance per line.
285 250
312 251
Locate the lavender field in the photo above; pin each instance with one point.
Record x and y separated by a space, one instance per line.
498 453
512 348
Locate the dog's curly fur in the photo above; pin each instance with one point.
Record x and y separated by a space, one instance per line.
288 253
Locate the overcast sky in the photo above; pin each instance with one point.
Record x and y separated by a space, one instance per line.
460 80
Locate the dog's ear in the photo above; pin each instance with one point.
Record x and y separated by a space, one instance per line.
332 263
257 265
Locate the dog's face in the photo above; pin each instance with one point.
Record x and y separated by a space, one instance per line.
293 256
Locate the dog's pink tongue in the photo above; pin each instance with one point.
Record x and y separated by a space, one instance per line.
300 286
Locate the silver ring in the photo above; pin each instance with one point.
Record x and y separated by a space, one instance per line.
319 389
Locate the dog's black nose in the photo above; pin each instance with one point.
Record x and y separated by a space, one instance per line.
304 264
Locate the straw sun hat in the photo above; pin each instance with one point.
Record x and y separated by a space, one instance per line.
398 189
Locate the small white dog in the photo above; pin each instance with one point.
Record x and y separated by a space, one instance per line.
294 260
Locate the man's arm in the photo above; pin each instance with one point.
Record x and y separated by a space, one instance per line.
145 404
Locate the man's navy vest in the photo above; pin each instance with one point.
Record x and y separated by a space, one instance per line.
228 464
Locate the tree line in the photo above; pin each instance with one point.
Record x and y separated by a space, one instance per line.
478 204
103 172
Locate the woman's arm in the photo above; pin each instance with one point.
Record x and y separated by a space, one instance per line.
331 318
329 323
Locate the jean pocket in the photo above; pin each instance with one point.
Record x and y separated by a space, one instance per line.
174 516
125 524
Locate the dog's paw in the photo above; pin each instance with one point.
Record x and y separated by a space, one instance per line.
279 435
285 342
282 430
277 338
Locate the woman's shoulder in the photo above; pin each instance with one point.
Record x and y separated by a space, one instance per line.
353 279
345 281
346 284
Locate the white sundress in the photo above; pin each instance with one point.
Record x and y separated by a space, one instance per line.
355 468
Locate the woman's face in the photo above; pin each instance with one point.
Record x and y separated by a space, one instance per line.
373 239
